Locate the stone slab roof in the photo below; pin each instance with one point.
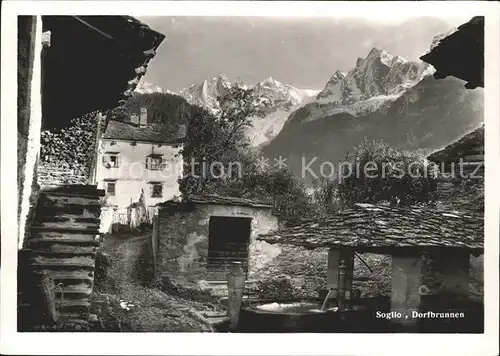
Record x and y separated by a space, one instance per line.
469 145
461 54
372 228
121 130
219 200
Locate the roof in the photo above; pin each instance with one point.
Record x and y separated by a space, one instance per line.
121 130
461 54
367 227
93 63
219 200
472 144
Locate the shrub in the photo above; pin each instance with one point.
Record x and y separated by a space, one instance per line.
379 173
278 287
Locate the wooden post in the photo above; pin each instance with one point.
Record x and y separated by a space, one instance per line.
95 156
406 280
332 277
341 286
347 256
235 287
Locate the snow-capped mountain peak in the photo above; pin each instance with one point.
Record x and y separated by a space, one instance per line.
145 87
282 98
379 74
270 81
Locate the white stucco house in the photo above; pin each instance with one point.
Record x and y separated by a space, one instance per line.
137 159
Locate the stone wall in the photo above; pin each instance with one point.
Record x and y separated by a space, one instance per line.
29 116
25 52
183 239
57 174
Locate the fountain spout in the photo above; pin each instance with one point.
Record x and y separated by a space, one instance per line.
325 302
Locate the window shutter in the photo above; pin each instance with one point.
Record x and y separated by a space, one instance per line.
163 164
147 162
118 160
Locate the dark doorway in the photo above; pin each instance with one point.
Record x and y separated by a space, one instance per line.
228 241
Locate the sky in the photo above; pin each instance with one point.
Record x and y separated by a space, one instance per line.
303 52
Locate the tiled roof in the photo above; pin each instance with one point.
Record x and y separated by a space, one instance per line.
367 227
217 199
467 145
120 130
461 54
220 200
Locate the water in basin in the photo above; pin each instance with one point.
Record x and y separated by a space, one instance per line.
295 307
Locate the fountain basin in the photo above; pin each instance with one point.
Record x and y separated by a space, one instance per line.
305 316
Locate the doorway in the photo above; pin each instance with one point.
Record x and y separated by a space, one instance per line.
228 241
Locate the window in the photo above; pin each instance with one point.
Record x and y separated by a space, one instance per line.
156 190
155 163
111 160
110 188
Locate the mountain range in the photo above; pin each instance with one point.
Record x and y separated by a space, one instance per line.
383 97
283 99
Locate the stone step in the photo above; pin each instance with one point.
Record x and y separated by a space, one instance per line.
56 262
75 205
51 242
71 277
66 221
73 306
213 314
62 266
70 211
73 291
73 315
65 254
64 230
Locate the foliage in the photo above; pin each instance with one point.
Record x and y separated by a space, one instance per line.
72 146
214 141
378 173
279 287
325 197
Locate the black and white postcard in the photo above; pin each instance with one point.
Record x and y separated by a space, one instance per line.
250 177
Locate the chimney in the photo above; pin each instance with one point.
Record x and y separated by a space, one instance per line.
181 133
143 119
134 119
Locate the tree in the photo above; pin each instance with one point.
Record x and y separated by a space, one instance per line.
325 197
215 141
376 173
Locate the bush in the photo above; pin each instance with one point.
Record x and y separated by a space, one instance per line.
278 287
378 173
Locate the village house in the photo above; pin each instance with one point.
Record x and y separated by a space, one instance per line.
199 239
60 59
137 160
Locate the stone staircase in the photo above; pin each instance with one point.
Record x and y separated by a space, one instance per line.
63 242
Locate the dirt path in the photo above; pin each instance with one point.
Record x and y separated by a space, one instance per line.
140 306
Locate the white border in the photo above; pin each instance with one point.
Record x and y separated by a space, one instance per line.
228 344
